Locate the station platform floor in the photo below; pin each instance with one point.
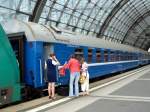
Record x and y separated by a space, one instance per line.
130 93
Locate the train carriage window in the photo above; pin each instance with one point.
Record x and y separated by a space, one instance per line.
112 56
122 56
130 56
105 56
126 56
118 56
79 52
89 55
98 55
136 57
47 49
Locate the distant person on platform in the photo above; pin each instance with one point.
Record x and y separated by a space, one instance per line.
51 65
74 66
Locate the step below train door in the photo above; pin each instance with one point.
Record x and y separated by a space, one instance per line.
48 48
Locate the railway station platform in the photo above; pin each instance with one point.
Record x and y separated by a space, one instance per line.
131 92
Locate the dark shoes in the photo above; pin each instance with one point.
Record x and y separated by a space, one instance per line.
49 97
53 98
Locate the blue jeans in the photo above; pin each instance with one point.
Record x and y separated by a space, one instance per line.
73 84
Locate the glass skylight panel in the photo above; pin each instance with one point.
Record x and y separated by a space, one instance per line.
58 6
62 2
20 9
65 18
54 14
81 22
72 3
73 21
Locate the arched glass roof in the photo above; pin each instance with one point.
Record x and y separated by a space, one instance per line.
125 17
20 9
85 16
123 21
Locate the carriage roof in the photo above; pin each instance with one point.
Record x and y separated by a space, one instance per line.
44 33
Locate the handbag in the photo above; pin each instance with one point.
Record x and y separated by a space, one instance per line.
62 71
82 78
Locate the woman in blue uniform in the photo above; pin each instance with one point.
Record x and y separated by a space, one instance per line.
51 64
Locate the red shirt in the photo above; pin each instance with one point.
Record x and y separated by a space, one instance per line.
73 65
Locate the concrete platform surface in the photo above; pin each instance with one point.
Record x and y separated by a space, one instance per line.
129 94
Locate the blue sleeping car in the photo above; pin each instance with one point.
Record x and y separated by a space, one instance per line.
103 57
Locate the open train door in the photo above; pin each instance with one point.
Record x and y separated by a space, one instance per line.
48 48
17 43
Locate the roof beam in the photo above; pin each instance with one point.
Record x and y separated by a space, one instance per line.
110 17
37 11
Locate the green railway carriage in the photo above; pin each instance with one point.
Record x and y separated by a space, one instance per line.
9 72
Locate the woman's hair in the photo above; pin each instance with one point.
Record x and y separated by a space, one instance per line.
51 54
82 60
78 57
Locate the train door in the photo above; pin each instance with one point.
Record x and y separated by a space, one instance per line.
18 48
48 48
